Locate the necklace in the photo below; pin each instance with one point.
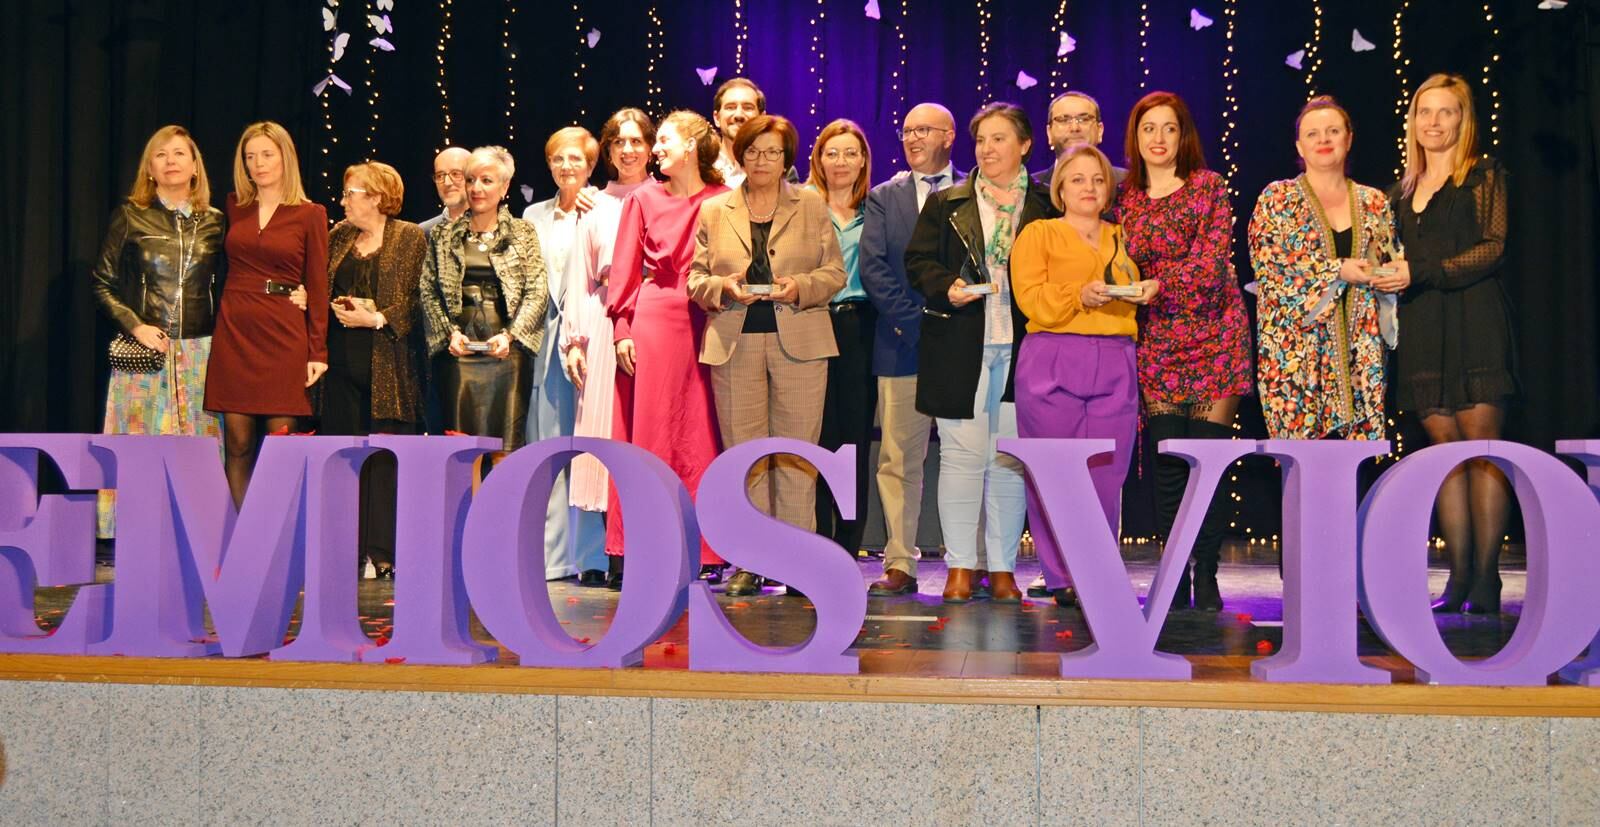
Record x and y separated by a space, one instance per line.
483 240
760 219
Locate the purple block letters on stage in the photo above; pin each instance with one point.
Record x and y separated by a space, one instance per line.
182 548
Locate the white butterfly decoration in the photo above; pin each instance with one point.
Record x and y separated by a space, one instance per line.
380 43
385 5
706 75
1252 288
1025 80
316 91
1550 5
381 24
872 10
1295 59
339 42
593 37
1068 44
1359 43
329 20
527 193
1198 21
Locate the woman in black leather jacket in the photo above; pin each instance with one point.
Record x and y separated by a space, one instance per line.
156 278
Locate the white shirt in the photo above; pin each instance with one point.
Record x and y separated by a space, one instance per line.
556 228
920 181
996 306
732 173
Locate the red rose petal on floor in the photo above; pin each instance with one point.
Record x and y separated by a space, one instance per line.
381 641
669 649
885 637
283 431
1243 617
1264 646
394 660
936 627
740 605
449 432
944 620
583 640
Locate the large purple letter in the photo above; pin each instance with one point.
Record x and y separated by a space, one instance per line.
430 597
506 580
52 536
1124 634
1561 518
1587 671
752 540
1319 562
179 540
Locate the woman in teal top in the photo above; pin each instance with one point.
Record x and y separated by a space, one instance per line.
841 169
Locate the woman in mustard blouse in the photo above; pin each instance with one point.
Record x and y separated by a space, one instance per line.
1076 374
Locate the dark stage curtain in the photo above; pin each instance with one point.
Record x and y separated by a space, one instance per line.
88 81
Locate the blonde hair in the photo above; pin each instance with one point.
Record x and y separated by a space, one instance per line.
383 183
1466 153
497 156
573 136
144 187
842 126
707 146
1058 176
244 189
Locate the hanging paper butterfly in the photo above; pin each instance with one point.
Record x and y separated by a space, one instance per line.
1359 43
1025 80
872 10
316 91
527 193
385 5
1198 21
1295 59
706 75
593 37
381 24
1068 44
380 43
329 20
339 42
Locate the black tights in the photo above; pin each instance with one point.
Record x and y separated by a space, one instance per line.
1473 505
1212 419
240 441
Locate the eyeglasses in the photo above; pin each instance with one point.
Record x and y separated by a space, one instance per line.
753 154
455 175
349 191
848 155
1074 120
921 131
574 163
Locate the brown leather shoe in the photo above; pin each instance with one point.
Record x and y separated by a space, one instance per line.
958 586
894 583
1003 587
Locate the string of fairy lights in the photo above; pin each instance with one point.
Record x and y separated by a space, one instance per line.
510 54
655 49
741 33
1494 58
371 84
1144 45
1402 87
897 76
819 54
1230 101
580 41
1061 56
1313 59
984 15
331 136
439 51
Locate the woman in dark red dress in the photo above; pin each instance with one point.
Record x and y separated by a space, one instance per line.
1194 337
266 351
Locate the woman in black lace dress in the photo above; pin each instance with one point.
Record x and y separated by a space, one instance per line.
1455 360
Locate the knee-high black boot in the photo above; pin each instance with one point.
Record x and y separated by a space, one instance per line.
1171 476
1208 545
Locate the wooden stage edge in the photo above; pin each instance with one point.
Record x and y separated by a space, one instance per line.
1234 694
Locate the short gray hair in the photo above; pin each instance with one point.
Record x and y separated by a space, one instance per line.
497 156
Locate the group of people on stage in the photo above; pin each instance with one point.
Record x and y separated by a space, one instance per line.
705 298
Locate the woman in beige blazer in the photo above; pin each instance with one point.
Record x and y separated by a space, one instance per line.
766 262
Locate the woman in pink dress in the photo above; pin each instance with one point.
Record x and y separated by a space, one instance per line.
668 410
587 345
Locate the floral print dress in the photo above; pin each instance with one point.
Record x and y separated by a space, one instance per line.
1321 351
1194 337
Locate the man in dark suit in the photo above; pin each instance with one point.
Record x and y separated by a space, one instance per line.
891 211
1074 118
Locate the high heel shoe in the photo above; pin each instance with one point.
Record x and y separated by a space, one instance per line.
383 573
1454 597
712 573
1484 598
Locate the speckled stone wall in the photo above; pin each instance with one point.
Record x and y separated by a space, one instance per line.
104 753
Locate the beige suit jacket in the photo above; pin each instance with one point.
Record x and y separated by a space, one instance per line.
801 246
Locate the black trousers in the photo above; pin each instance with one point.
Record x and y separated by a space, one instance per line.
347 411
847 418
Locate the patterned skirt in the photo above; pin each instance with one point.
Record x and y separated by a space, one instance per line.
170 401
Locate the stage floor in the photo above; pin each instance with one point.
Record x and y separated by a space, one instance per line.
920 635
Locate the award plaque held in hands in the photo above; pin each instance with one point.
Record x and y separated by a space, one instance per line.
758 289
982 288
1380 255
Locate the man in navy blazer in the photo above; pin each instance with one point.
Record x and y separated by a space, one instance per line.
926 136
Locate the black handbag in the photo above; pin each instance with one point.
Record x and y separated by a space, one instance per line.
129 356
